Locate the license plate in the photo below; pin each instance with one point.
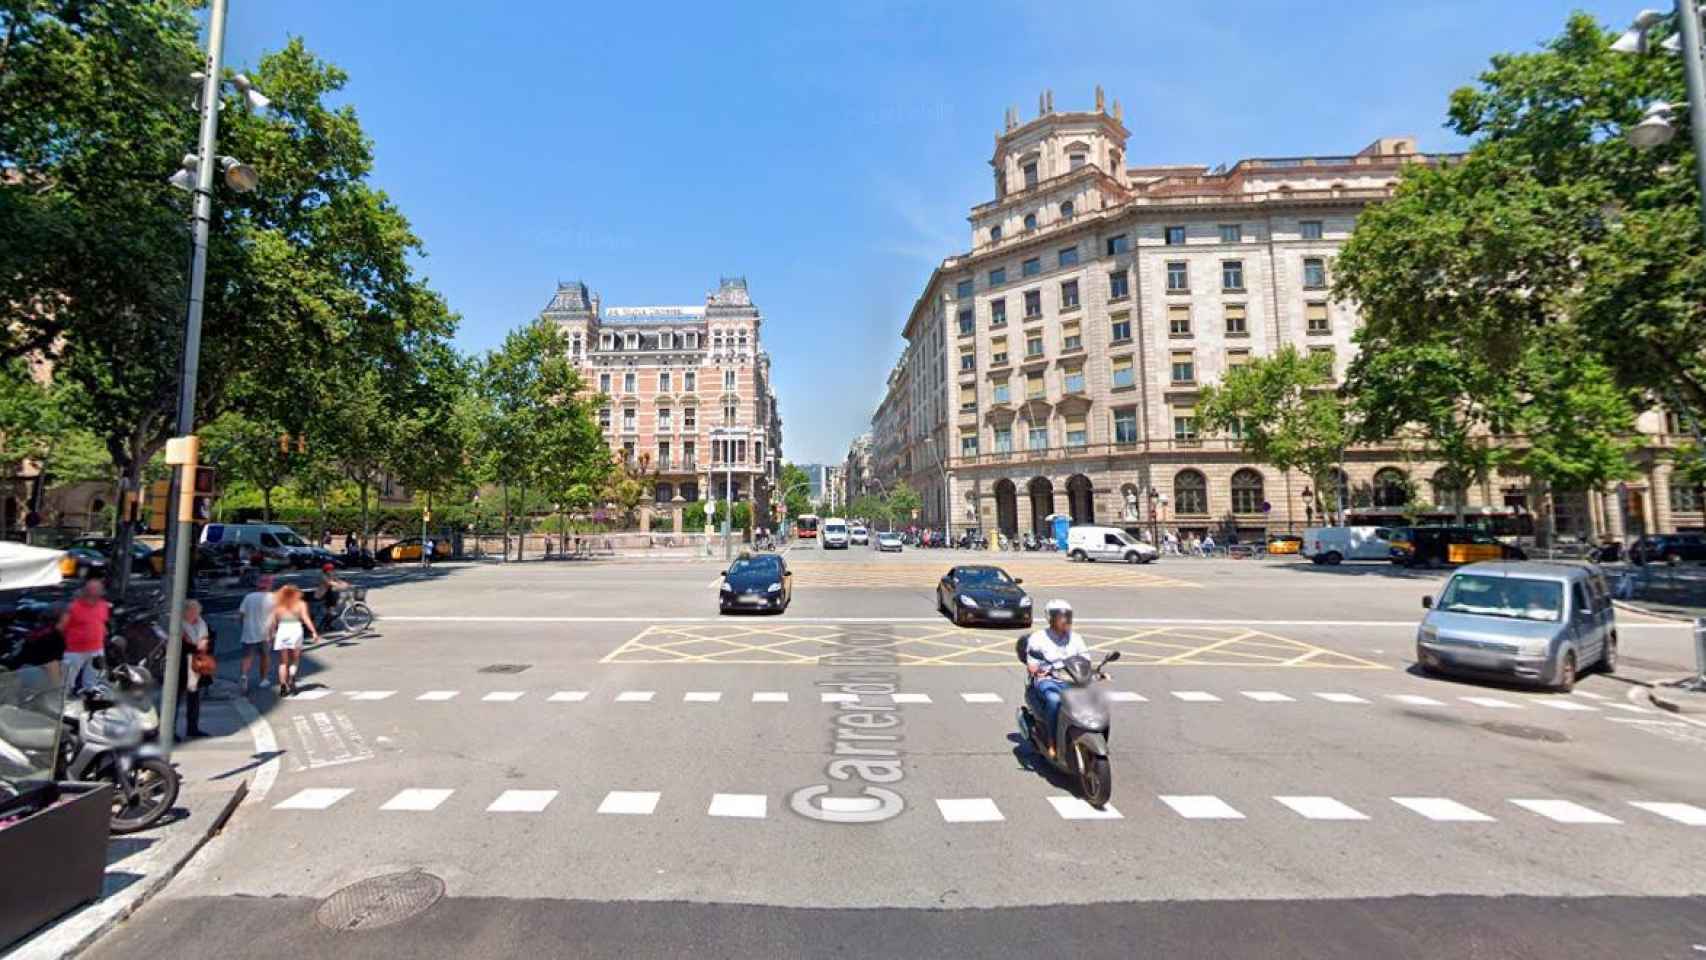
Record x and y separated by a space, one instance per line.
752 598
1001 614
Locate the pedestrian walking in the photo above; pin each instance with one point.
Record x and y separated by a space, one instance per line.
84 627
195 667
430 545
350 544
290 621
255 616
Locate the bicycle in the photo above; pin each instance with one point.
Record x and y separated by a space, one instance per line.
353 612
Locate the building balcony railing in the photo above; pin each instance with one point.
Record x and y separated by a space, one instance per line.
1104 449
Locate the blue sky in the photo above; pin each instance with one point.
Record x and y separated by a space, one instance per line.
828 152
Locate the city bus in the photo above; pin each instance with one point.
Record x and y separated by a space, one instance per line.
805 526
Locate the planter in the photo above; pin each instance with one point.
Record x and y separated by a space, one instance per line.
56 859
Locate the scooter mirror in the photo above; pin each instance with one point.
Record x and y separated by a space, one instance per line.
1112 657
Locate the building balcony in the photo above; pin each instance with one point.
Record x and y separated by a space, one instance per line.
1158 446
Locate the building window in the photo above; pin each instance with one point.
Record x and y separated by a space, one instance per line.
633 341
604 419
606 341
1247 491
1178 276
604 383
1119 327
998 312
1118 245
666 419
689 381
998 351
728 414
1070 337
664 382
1068 294
1030 221
1031 267
1684 497
1178 319
1175 236
1074 161
1236 320
968 443
663 455
630 419
1311 229
1077 433
995 234
628 382
1033 344
577 345
729 380
1232 275
1122 373
968 359
1125 425
1033 303
1034 386
1117 285
998 276
1190 492
1391 487
1231 233
1331 359
1237 358
1315 319
1184 367
1072 381
1004 439
690 419
999 392
1037 437
968 398
1069 257
1030 171
968 322
1067 210
1314 273
963 290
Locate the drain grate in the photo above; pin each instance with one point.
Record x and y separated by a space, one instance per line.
504 668
380 901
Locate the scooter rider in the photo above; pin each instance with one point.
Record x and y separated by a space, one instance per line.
1045 650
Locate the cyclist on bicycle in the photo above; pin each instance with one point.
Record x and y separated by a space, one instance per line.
326 592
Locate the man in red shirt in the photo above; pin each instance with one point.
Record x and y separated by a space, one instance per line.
84 627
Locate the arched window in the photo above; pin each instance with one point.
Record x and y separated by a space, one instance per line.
995 233
665 492
1030 221
1448 488
1190 493
1247 491
1391 487
1067 210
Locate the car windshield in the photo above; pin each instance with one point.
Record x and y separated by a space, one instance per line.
1510 597
291 539
984 576
753 565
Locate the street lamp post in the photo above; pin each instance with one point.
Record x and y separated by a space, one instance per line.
947 493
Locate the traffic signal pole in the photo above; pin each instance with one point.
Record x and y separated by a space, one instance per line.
181 452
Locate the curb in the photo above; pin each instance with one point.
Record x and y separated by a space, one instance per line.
1628 607
1664 700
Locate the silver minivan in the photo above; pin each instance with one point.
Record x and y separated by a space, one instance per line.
1532 622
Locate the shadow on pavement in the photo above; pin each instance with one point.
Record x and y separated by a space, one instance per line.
1378 569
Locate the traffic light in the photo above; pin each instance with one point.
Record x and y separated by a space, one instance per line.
204 481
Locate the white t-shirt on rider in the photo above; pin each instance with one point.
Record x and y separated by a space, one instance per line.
1043 650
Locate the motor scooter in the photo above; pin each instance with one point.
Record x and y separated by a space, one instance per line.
1078 746
107 737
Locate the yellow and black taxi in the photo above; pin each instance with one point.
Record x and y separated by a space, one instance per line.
1284 544
1448 546
756 581
409 550
93 556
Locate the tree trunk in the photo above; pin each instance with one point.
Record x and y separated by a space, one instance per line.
521 544
505 487
118 562
1544 518
366 539
266 503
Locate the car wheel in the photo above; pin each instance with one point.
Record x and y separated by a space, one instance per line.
1608 659
1077 556
1566 673
1333 558
1673 558
1132 557
959 615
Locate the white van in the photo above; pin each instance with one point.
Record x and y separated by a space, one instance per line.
833 533
274 540
1335 545
1107 543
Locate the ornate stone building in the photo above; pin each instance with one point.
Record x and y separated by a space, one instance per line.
1054 367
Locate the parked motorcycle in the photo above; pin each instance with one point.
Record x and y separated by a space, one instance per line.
1078 746
105 738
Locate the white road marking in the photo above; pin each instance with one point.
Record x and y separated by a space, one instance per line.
911 698
850 804
838 697
311 695
1564 705
1142 621
1074 808
372 694
636 696
522 801
417 799
567 696
1202 807
1443 810
1127 696
314 798
1684 813
1341 698
1632 708
1321 808
439 695
981 697
1591 695
770 696
1493 702
970 810
266 745
702 696
751 806
1416 700
504 696
637 802
1196 696
1564 811
1267 696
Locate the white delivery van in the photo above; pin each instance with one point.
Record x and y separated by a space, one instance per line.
1334 545
833 533
273 540
1107 543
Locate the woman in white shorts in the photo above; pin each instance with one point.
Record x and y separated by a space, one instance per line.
291 621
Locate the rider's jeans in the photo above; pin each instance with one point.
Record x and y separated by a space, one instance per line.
1046 694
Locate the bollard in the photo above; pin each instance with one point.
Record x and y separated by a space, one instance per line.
1699 682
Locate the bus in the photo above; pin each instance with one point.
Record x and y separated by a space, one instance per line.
805 526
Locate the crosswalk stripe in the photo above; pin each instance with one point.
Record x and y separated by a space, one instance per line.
1196 696
770 696
439 695
503 696
1321 808
911 698
1202 807
969 810
372 694
1074 808
1565 811
751 806
314 798
838 698
1341 698
635 802
567 696
1267 696
1591 695
1632 708
417 799
1493 702
702 696
1127 696
1683 813
636 696
1442 809
1416 700
310 694
522 801
981 697
1565 705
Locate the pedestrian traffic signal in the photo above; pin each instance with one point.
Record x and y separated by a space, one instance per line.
204 482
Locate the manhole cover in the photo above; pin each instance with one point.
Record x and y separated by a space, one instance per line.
1524 732
504 668
380 901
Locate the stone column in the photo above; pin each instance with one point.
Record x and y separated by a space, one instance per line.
1613 509
1663 522
646 518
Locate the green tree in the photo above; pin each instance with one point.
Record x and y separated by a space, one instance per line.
259 454
1286 414
904 503
796 485
870 507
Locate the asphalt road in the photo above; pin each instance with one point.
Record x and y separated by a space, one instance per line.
596 764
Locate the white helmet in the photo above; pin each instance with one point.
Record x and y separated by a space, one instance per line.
1058 608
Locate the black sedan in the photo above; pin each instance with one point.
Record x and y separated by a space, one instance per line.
760 582
983 594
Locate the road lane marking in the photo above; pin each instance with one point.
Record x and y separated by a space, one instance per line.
1321 808
313 798
636 696
910 697
1683 813
522 801
1563 705
1341 698
503 696
981 697
751 806
1127 696
417 799
770 696
567 696
1591 695
1632 708
633 802
969 810
702 696
1443 810
1267 696
439 695
1492 702
1074 808
1565 811
1416 700
372 694
1196 696
1201 807
310 694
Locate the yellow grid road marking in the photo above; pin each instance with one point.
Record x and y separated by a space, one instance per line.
1060 573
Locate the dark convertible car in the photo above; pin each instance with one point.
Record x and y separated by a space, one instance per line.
983 594
757 582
